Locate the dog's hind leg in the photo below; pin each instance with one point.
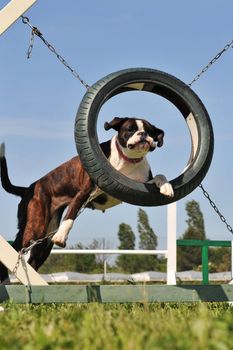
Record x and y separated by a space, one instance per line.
4 277
75 205
38 218
40 252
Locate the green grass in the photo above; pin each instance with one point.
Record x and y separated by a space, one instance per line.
199 326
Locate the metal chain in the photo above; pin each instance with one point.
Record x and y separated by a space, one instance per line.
214 206
219 54
206 194
36 31
17 262
24 266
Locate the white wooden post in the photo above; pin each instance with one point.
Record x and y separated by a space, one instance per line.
12 11
171 244
25 273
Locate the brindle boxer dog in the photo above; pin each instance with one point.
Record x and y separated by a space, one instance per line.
69 186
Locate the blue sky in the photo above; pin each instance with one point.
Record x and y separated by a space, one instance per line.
39 98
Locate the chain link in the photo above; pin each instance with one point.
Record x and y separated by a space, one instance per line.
14 271
214 206
205 193
219 54
37 32
21 260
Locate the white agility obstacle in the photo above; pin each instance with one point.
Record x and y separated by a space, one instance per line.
12 11
19 267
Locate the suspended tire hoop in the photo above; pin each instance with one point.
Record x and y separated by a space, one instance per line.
172 89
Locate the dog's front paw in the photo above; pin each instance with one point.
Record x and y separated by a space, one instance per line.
61 235
58 241
167 190
164 186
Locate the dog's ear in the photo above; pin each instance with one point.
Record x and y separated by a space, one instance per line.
115 124
156 133
159 135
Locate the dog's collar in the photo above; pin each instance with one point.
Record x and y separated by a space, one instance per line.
130 160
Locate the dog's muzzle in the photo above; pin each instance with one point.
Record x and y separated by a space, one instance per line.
142 141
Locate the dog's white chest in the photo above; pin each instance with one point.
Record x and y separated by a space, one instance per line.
138 171
135 171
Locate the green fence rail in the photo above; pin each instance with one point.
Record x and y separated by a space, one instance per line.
204 245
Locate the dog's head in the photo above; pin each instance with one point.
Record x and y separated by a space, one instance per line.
136 136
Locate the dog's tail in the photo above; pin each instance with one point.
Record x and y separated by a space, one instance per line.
6 184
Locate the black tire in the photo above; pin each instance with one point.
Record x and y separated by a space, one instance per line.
174 90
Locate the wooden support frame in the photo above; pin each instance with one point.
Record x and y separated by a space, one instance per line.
25 273
12 11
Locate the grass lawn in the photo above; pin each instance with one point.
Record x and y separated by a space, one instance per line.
200 326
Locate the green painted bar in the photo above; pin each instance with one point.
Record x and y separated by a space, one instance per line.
204 244
201 243
205 264
115 294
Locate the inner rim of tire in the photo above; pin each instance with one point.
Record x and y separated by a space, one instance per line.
175 99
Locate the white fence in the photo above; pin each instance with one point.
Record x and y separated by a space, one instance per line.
169 253
171 279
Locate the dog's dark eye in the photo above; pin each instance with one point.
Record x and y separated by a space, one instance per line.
148 131
130 129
